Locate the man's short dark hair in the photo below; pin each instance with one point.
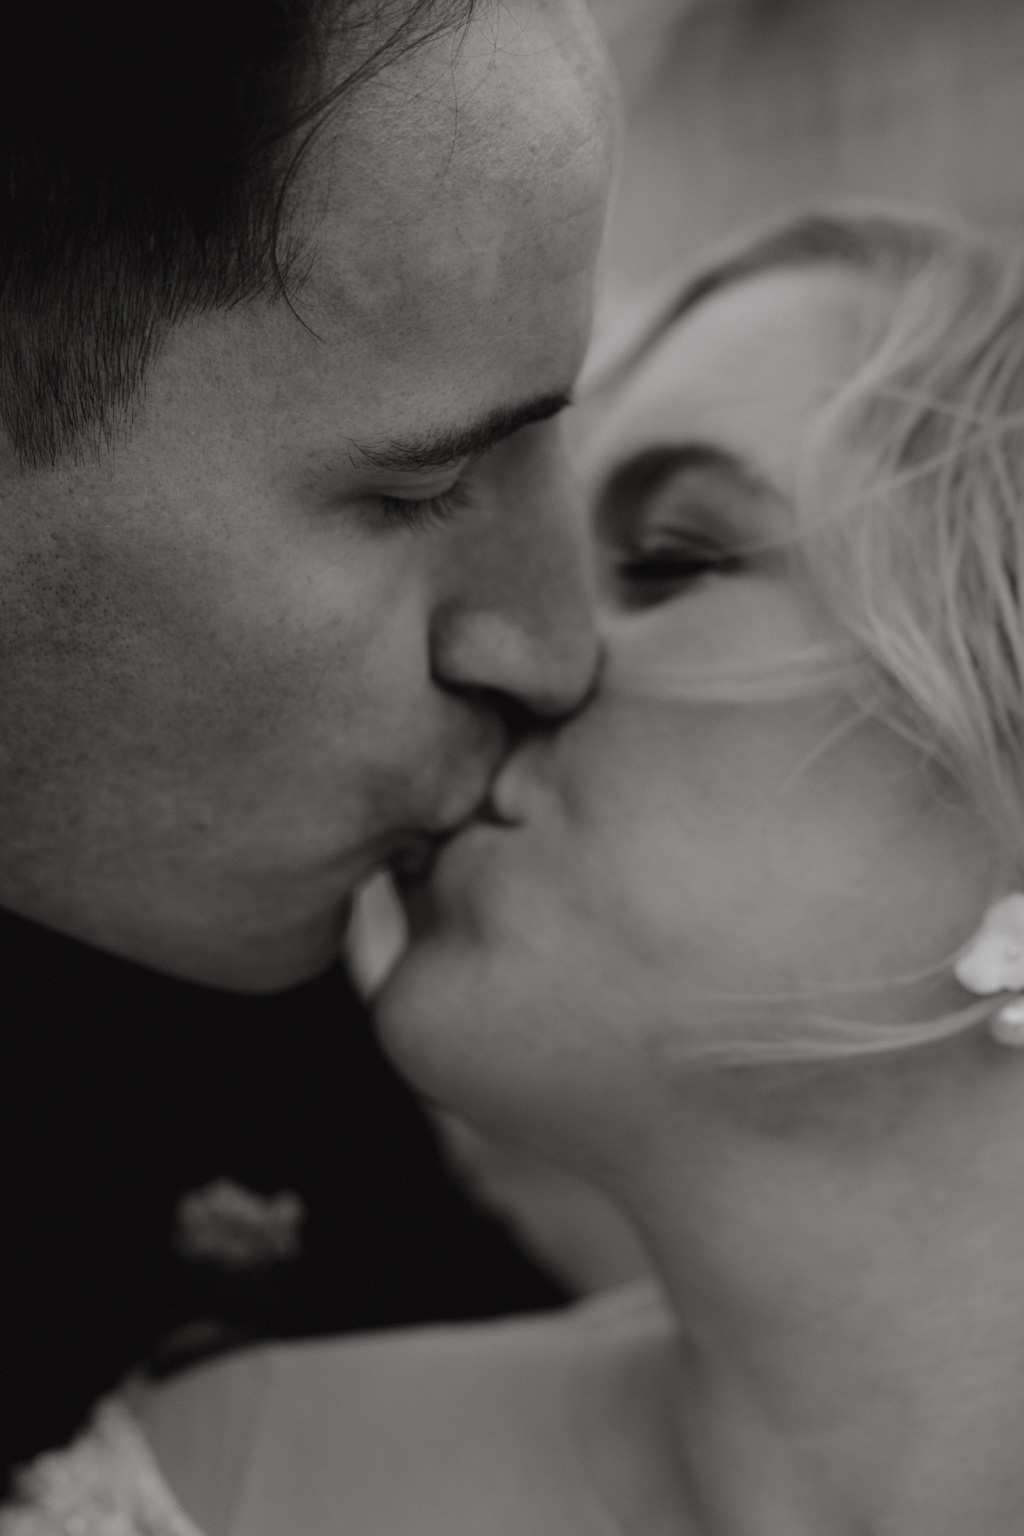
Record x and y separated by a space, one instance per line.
147 149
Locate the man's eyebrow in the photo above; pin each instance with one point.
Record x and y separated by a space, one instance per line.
446 445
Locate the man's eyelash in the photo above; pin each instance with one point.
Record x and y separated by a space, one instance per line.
428 511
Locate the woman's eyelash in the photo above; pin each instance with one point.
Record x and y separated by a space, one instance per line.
675 555
650 569
674 552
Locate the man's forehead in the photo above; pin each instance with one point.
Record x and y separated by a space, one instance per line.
507 115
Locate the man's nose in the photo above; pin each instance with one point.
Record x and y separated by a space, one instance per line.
517 622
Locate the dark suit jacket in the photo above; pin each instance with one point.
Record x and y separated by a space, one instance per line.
182 1170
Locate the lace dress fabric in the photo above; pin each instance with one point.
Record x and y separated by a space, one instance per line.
106 1483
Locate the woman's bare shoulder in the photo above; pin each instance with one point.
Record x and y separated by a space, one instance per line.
200 1426
454 1430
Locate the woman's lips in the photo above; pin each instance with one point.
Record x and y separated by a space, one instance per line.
413 862
427 879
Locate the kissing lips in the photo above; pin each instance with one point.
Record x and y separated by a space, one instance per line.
414 864
410 864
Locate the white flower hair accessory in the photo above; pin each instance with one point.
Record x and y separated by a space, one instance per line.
993 962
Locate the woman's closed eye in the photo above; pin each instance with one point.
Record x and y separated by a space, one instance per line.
665 562
669 519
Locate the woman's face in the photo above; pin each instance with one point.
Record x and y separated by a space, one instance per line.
662 856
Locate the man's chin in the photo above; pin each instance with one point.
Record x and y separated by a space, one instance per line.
269 960
280 961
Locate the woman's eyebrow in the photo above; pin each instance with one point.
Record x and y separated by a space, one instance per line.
643 474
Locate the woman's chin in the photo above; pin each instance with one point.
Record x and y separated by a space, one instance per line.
429 1007
472 985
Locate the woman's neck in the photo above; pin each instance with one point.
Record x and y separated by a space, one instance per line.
846 1258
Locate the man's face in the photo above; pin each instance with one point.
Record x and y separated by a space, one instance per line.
243 662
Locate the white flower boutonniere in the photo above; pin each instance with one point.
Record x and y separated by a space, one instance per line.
226 1224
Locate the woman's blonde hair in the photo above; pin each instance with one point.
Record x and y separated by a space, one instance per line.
914 533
